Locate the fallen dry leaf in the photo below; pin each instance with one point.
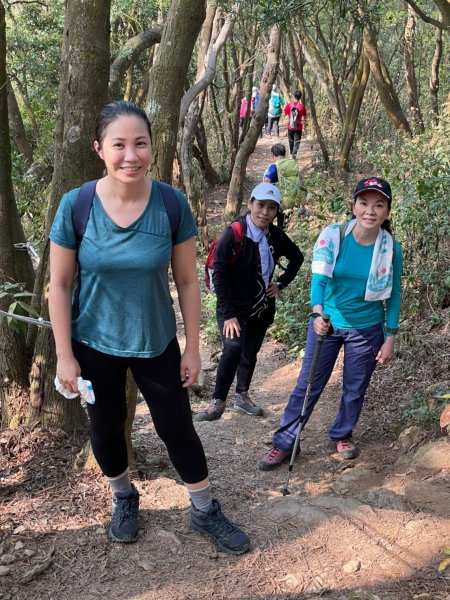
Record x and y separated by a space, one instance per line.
445 417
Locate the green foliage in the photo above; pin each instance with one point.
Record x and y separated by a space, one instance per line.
419 172
290 322
208 322
16 294
34 37
420 413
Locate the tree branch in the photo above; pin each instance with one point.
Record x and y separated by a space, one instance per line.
210 64
419 12
128 54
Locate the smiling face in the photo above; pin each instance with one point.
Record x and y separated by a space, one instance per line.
125 148
371 209
262 212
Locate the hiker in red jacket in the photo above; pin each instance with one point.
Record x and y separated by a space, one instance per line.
296 113
244 265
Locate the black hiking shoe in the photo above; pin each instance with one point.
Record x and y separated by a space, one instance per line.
213 412
228 537
124 519
243 403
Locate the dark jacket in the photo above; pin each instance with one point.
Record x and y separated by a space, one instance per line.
238 283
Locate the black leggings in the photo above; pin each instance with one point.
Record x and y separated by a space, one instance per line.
159 381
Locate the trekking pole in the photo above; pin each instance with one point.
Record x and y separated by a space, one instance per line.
312 373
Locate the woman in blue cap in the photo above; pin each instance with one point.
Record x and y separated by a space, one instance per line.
245 259
356 281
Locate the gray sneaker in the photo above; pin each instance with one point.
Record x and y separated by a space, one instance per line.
242 403
124 519
213 412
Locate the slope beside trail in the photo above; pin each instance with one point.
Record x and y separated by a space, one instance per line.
371 529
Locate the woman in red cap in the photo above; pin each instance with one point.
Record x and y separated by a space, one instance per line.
356 282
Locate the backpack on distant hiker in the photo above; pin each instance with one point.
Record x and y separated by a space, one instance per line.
238 242
83 205
275 105
289 182
293 116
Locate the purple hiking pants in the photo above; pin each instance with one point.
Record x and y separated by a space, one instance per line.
360 349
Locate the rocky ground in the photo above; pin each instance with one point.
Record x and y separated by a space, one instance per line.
372 529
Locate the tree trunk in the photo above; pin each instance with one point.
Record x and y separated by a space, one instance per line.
210 173
354 106
320 69
167 80
17 128
411 81
434 77
13 360
384 86
128 84
192 104
128 56
82 93
298 62
216 117
234 196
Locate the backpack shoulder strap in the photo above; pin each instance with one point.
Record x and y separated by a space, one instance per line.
238 229
342 229
82 208
172 207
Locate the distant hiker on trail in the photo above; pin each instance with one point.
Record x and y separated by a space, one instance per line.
356 281
122 317
254 103
276 104
284 172
254 100
296 114
243 112
244 265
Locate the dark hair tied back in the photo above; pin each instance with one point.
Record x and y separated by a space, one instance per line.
113 110
387 225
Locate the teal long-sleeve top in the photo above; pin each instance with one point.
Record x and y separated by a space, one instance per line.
342 296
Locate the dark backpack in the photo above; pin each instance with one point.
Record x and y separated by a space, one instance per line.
293 116
83 205
238 241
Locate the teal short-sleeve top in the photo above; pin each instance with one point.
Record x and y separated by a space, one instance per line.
122 304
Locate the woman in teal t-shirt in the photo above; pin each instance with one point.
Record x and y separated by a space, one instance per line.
356 281
122 318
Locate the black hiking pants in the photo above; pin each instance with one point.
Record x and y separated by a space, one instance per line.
159 381
239 356
294 138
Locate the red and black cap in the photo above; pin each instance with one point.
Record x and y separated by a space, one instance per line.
375 184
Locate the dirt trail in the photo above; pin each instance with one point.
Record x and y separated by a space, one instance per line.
373 529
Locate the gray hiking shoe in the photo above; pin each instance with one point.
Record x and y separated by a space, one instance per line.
213 412
124 519
228 537
243 403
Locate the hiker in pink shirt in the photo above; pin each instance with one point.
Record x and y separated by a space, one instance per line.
243 112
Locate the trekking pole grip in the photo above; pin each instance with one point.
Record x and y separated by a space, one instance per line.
326 318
